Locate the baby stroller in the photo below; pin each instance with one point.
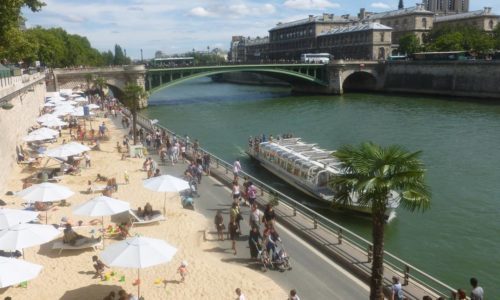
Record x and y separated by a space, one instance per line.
263 257
281 260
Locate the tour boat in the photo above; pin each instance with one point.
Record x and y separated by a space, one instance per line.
307 168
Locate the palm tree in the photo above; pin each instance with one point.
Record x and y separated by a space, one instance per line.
100 83
373 172
133 93
89 78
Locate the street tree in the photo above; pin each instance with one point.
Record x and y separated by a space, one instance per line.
409 43
373 172
10 14
133 94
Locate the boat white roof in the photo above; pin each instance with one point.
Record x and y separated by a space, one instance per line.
307 155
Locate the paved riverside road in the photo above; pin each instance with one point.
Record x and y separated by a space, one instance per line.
313 275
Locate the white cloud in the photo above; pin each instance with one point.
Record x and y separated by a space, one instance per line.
381 5
310 4
200 12
245 10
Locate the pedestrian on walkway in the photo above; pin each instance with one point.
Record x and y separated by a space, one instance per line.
86 156
477 292
219 225
240 295
233 230
236 169
397 289
293 295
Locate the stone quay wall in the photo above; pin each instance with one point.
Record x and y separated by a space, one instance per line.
15 122
471 78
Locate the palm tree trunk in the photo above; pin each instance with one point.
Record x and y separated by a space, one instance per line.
134 125
378 224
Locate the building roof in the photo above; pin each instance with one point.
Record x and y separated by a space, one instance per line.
325 18
466 15
257 41
400 12
359 27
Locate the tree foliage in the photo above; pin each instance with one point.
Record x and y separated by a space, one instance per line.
409 43
376 174
459 38
10 14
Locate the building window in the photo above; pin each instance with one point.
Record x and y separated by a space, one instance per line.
491 24
424 22
382 36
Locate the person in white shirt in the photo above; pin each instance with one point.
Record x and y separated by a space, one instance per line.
240 294
236 169
477 292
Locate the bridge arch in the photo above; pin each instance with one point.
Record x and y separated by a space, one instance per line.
359 81
161 79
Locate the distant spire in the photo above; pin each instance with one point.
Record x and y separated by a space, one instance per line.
401 5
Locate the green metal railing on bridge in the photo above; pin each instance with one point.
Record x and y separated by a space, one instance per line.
157 79
421 281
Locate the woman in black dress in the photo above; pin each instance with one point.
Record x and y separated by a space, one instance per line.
254 240
269 216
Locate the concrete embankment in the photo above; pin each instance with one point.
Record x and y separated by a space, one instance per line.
15 122
474 78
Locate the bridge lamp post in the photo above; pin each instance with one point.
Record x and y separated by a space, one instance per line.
142 59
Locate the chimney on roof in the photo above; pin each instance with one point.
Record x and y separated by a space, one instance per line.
326 17
487 9
311 17
362 13
401 5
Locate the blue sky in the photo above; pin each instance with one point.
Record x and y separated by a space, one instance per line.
177 26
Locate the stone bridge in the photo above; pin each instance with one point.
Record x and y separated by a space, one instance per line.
333 78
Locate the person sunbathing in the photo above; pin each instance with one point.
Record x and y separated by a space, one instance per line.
101 178
75 239
148 211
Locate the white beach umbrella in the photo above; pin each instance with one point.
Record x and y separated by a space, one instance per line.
101 206
32 137
14 271
166 183
49 104
78 112
47 117
10 217
54 123
46 130
26 235
93 106
66 150
138 252
45 192
80 99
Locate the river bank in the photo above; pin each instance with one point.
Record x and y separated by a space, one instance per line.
71 273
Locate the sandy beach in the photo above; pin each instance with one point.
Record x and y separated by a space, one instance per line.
70 275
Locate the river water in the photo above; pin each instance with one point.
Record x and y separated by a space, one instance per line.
456 239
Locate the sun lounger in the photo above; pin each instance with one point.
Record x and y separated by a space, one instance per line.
59 245
135 219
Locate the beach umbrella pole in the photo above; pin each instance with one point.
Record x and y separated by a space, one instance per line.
46 216
102 226
164 203
138 283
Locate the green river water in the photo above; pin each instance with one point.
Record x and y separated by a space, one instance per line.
456 239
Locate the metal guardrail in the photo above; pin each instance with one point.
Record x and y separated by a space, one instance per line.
408 272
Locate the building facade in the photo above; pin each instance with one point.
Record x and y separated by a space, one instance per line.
446 7
257 49
289 40
413 20
370 41
484 20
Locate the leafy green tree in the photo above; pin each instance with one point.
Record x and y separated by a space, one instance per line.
496 37
10 14
409 43
459 38
108 58
373 172
119 58
18 47
133 94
